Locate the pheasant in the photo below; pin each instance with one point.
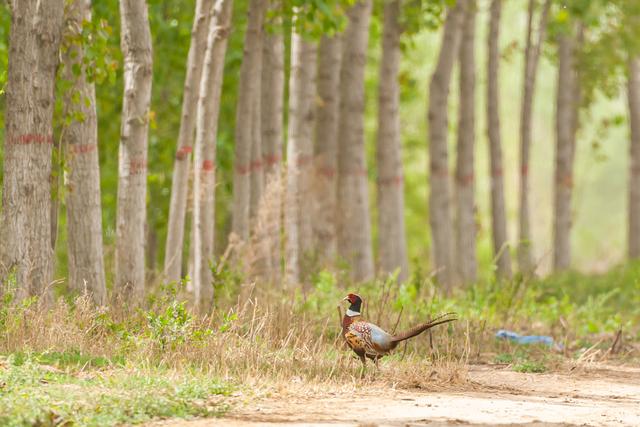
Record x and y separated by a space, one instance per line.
370 341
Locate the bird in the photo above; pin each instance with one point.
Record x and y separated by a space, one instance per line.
370 341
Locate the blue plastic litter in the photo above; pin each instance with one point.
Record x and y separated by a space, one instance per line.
524 339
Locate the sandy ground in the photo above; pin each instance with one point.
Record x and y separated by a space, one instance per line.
599 396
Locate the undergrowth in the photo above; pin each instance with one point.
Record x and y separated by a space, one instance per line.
107 366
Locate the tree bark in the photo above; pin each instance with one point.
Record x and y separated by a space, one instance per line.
566 126
256 168
326 148
299 157
80 138
354 225
531 56
34 42
392 243
244 133
465 173
498 212
272 99
633 92
180 181
205 152
132 165
438 125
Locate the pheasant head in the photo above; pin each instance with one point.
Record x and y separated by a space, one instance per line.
355 306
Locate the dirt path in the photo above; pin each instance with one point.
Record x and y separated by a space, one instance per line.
605 396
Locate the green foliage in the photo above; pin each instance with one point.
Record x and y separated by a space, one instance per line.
34 393
531 367
418 15
314 18
529 359
171 324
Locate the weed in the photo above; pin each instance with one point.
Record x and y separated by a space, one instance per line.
530 367
36 394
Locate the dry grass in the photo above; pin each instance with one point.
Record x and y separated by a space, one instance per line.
264 343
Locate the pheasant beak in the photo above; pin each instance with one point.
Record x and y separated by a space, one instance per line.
345 299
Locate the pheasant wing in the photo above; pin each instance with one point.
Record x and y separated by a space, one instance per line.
370 338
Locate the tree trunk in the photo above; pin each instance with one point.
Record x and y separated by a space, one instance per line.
205 153
438 125
531 56
392 241
80 137
326 148
244 133
566 121
299 156
272 88
498 212
132 165
354 224
465 175
633 233
180 181
256 169
34 43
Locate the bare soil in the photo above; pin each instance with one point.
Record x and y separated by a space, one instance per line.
595 396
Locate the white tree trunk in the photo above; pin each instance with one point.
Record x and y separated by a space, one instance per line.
531 55
34 43
132 164
180 181
465 171
299 157
633 93
205 153
498 211
354 223
326 148
272 98
256 168
245 131
438 125
80 138
566 126
392 242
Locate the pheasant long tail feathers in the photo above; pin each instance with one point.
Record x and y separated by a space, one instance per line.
417 330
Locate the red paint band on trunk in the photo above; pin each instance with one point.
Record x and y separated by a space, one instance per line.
565 181
524 170
326 172
82 148
137 166
355 172
465 179
392 181
183 152
30 138
271 159
208 165
256 165
496 173
303 159
243 169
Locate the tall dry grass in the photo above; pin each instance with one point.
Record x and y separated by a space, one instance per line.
265 341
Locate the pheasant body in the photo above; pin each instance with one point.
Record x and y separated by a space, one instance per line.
368 340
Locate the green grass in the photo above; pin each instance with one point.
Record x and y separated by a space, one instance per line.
68 393
528 359
533 367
